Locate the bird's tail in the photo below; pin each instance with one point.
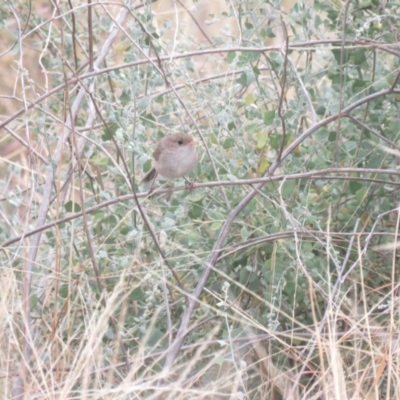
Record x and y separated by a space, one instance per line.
149 176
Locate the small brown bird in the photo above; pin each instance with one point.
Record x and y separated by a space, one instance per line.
174 157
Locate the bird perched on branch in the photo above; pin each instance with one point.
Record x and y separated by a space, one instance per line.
174 157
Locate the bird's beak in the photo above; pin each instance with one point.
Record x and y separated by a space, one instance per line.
193 143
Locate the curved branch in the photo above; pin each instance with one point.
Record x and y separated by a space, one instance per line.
215 253
298 46
304 175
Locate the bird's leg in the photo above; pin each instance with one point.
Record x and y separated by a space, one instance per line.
189 184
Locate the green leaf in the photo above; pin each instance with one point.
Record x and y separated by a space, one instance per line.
359 56
264 164
195 197
375 161
98 216
269 117
365 4
255 283
244 58
101 162
215 226
267 32
147 165
358 85
143 103
242 80
137 294
193 238
332 136
288 188
244 276
332 15
361 194
256 71
148 120
219 360
275 141
267 267
231 56
237 332
334 77
124 230
251 128
125 98
254 56
110 220
154 337
355 186
63 291
249 99
250 77
107 133
338 55
262 138
351 145
196 210
218 40
244 233
167 223
70 206
228 143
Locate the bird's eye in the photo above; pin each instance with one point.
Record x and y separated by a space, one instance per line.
180 142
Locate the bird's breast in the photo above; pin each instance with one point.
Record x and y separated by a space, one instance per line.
175 164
